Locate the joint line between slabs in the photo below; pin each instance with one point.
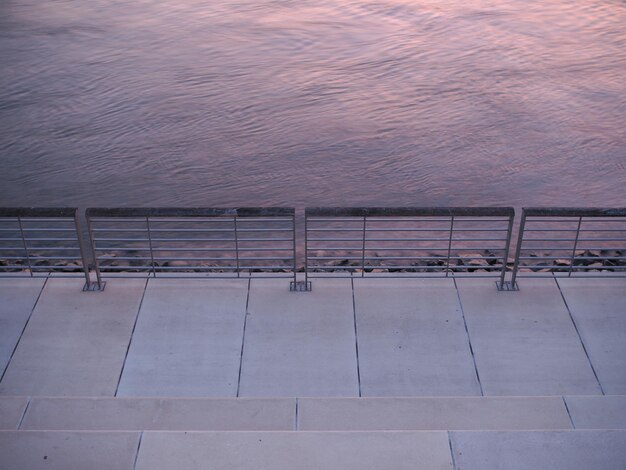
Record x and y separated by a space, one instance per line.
580 338
43 286
243 338
19 426
568 412
451 450
356 337
469 340
137 453
132 334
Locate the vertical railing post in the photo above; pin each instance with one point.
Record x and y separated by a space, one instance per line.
306 249
83 253
94 251
295 256
295 285
505 258
237 245
150 244
518 250
363 247
450 244
30 267
571 262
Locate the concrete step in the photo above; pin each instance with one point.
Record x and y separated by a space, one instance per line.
313 414
309 450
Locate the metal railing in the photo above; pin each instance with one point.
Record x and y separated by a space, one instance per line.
405 241
38 241
224 242
570 241
364 241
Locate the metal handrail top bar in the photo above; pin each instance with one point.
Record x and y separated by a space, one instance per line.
601 219
30 229
399 229
189 212
573 230
407 211
38 212
574 212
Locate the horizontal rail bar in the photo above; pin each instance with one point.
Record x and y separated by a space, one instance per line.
599 258
130 258
574 212
26 229
135 258
192 275
36 258
191 249
404 275
46 248
359 248
39 239
188 230
574 239
572 219
378 258
407 219
574 268
192 239
185 268
574 230
40 268
189 212
164 239
405 239
407 211
413 267
396 229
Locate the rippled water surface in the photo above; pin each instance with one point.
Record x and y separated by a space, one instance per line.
298 102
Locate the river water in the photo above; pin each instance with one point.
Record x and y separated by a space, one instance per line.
326 102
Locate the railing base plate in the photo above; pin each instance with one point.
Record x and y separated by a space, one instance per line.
300 286
507 286
94 287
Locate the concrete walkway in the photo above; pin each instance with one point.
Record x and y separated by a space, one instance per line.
357 374
361 337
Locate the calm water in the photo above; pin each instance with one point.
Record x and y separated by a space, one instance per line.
297 102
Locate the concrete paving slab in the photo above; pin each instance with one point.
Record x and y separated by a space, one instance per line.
75 341
184 414
539 450
412 339
187 341
295 451
432 413
18 299
598 307
597 412
299 343
11 411
34 450
525 342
